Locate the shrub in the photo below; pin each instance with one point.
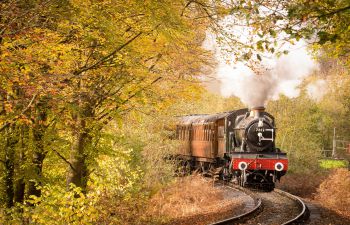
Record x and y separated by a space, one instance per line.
302 184
334 192
188 196
55 206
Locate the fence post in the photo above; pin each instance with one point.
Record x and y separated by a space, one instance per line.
334 145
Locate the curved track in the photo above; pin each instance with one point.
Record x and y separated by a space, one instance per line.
276 207
252 209
304 211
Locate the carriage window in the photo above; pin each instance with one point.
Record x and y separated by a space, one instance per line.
221 131
206 133
194 133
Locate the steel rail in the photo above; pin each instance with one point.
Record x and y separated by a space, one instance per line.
300 218
246 215
303 215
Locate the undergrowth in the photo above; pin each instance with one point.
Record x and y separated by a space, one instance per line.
188 196
334 192
302 184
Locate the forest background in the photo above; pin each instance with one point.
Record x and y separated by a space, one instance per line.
89 91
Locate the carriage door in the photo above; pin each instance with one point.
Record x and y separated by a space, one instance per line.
213 139
221 138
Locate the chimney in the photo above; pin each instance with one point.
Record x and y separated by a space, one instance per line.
256 111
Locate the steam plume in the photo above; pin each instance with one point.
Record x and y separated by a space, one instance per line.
283 76
317 90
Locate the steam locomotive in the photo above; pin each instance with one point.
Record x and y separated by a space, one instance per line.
238 146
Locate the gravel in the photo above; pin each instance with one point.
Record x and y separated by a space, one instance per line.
277 209
320 215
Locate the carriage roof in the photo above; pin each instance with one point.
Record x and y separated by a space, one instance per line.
202 118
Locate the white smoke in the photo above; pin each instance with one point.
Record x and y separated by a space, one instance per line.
283 75
317 90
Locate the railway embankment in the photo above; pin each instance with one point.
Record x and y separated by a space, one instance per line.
326 193
195 200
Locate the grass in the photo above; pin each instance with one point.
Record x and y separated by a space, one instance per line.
189 196
333 163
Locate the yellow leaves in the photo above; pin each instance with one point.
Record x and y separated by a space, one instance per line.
25 70
58 206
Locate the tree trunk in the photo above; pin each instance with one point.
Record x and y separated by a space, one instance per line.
20 182
78 175
39 152
9 177
78 172
19 190
35 182
11 141
37 163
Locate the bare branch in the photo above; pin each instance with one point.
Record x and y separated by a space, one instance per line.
105 58
107 114
333 12
64 159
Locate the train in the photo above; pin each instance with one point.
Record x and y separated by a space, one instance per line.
236 146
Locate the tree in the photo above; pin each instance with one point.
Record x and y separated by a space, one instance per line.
267 25
80 65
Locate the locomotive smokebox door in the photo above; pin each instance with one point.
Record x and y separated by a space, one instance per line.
260 134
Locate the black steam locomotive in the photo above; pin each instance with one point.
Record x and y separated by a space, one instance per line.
237 145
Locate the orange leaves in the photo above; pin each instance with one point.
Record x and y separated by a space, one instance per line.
24 120
334 193
8 107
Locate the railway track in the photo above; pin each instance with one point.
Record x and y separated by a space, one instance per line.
276 207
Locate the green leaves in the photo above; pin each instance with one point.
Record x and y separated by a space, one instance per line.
272 33
322 23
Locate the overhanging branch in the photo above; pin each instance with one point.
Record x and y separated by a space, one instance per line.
107 114
64 159
105 58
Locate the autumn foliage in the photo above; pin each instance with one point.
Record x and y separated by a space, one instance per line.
88 90
334 192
